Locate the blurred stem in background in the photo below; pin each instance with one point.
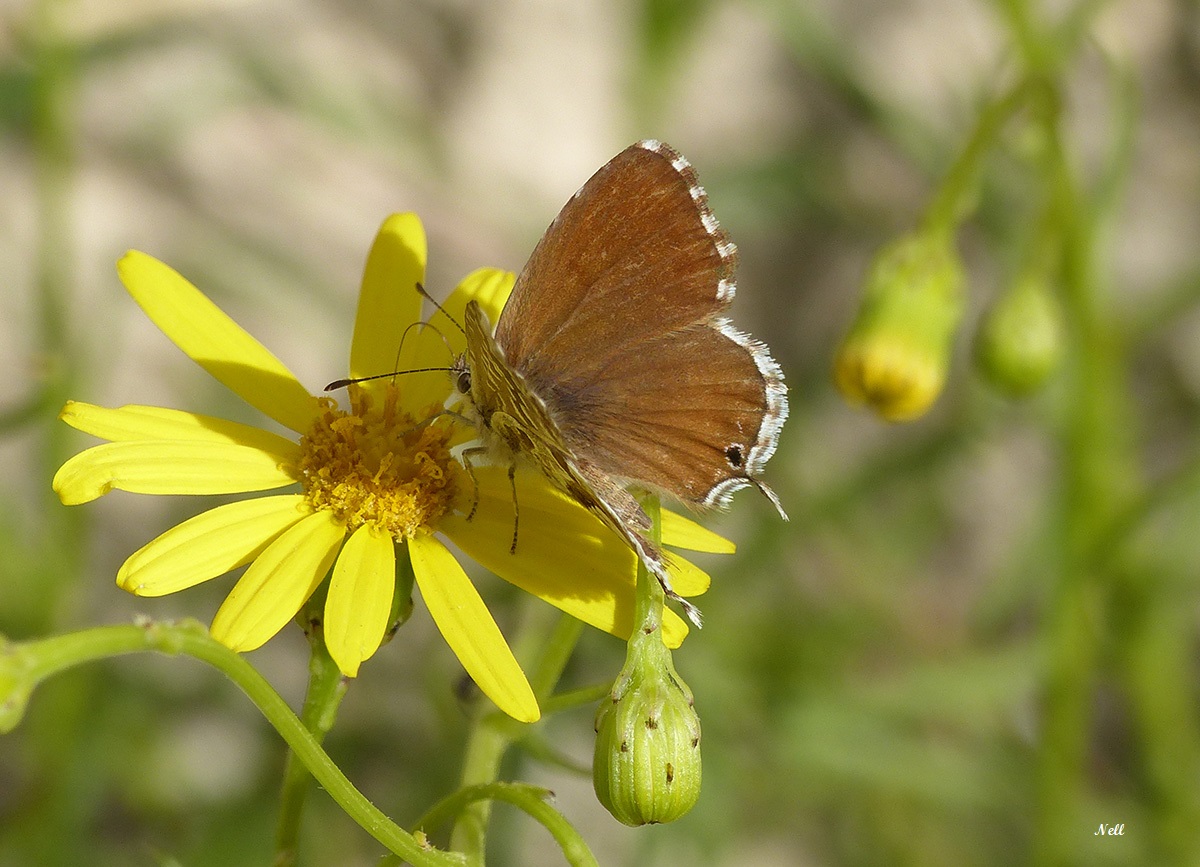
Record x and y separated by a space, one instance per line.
906 316
1100 484
54 132
664 29
60 744
1097 480
957 194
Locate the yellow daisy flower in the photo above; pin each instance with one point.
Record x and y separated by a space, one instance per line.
376 479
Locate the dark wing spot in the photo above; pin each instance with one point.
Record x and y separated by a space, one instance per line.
733 454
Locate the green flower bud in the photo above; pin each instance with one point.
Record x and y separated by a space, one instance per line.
897 354
646 767
1020 341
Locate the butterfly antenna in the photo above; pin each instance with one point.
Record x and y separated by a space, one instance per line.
772 496
441 309
449 350
342 383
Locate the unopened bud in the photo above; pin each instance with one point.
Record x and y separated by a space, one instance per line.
1020 341
646 767
896 357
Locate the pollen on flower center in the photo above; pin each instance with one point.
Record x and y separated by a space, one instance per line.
378 465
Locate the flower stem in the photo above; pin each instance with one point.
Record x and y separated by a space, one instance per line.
1098 484
556 655
650 598
326 688
573 698
952 199
23 665
55 142
534 800
489 740
493 733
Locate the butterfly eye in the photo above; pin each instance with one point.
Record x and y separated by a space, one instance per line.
733 454
464 382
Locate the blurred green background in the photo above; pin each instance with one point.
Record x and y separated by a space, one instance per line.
975 642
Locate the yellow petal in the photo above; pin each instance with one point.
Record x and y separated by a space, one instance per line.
216 342
132 423
469 629
439 344
687 579
680 532
158 467
489 286
388 301
360 598
278 582
564 554
208 545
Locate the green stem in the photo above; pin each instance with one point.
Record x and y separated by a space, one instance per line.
555 656
326 688
952 199
23 665
646 649
648 606
54 130
493 733
489 740
575 698
534 800
1097 486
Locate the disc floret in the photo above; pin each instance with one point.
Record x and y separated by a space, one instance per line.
378 464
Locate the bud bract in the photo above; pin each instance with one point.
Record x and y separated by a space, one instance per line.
897 354
1020 341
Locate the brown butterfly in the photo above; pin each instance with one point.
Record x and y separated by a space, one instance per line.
611 365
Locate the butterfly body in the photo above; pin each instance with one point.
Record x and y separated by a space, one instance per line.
510 414
611 366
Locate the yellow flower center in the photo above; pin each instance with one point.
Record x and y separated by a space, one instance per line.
378 465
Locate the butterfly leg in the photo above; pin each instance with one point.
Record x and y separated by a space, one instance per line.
512 481
467 465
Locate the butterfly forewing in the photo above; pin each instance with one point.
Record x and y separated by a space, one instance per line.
627 258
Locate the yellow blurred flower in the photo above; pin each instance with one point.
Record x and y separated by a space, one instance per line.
896 356
376 480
